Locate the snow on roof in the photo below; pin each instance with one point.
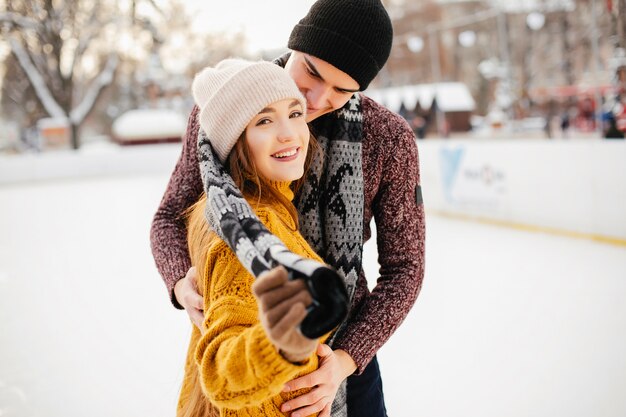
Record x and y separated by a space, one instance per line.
52 122
451 97
149 124
534 5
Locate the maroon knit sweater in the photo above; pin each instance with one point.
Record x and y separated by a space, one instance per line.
391 175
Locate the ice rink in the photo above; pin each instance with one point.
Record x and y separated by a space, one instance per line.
508 323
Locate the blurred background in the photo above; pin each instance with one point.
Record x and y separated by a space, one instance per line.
518 110
541 68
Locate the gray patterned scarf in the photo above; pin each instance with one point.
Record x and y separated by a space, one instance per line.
331 201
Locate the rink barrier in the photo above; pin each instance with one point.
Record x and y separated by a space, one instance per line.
573 188
530 228
100 160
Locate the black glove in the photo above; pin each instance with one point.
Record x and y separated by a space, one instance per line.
330 297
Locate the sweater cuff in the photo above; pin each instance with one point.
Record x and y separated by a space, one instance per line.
176 272
272 362
358 353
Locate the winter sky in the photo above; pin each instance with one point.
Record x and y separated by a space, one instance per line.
267 25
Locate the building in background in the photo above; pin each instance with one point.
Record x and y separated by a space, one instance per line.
545 51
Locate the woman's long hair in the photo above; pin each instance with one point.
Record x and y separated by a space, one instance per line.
258 191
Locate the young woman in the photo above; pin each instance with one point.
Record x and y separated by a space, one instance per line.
249 345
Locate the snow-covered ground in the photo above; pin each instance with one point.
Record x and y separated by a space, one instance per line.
509 323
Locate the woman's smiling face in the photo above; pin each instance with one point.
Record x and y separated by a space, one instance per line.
278 139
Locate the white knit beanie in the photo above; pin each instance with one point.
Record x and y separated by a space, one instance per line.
233 92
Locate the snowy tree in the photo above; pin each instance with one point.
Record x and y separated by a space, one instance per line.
18 102
65 51
87 57
69 51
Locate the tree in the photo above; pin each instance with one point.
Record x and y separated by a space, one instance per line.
18 102
61 49
74 59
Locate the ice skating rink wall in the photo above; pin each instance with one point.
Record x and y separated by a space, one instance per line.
567 186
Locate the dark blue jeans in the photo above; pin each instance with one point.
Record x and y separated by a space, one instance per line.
365 393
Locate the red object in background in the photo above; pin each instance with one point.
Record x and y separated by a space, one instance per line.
566 91
585 121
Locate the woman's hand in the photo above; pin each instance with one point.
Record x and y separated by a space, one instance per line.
335 366
282 307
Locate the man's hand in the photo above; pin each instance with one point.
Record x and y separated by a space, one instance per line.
335 366
282 307
186 292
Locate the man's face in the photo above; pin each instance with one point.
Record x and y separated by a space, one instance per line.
325 87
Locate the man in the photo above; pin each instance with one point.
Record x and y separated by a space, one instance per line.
370 169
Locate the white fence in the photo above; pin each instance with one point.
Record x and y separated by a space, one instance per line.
574 186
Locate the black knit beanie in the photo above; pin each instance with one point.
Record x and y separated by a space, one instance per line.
353 35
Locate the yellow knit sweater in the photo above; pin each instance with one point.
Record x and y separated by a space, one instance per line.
240 370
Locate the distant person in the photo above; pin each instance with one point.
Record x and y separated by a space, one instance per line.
550 114
405 113
612 132
370 170
613 109
565 124
419 125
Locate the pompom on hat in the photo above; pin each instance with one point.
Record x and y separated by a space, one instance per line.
354 36
230 94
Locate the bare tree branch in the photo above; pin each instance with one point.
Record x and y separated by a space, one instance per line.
36 80
78 114
156 7
13 18
85 39
36 57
